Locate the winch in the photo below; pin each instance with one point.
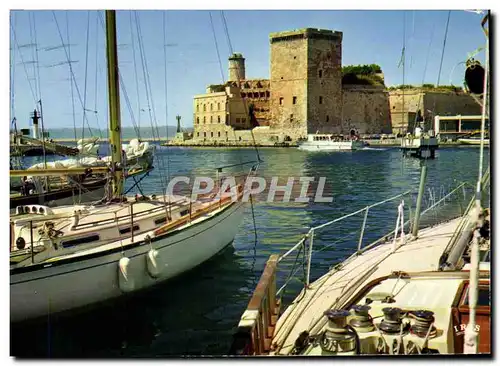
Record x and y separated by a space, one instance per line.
423 326
361 320
339 337
393 323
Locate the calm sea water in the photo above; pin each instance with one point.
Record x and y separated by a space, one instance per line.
197 313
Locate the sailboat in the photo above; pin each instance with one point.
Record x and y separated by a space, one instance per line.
68 257
420 292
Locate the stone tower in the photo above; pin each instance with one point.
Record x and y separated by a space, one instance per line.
306 81
236 67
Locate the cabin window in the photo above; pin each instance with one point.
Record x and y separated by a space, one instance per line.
185 212
161 220
82 240
320 100
294 100
281 100
320 73
483 298
126 230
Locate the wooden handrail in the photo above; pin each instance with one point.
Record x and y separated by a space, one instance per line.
256 327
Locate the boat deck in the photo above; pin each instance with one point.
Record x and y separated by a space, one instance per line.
332 289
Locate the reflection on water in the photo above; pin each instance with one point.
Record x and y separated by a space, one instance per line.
197 312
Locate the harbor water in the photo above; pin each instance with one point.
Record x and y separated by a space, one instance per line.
197 313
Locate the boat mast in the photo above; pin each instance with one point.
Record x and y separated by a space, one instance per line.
114 104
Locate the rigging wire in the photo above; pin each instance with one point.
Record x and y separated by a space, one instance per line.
444 46
86 70
23 63
136 76
69 63
423 76
70 80
217 48
166 88
33 54
239 84
149 96
12 69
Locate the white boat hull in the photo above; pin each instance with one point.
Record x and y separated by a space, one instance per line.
474 141
331 145
57 287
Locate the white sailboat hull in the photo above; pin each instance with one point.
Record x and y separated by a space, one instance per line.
84 281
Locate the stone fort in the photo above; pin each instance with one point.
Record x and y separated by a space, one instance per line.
304 94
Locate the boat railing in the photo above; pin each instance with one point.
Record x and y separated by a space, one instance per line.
252 336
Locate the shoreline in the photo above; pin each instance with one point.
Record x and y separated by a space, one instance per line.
165 142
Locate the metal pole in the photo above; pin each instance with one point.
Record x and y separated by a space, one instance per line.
362 231
31 241
311 241
132 221
421 189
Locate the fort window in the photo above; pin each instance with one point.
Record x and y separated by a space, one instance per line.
259 85
197 108
218 119
197 120
218 133
282 78
291 118
204 107
204 120
327 118
281 101
247 86
320 73
243 95
211 107
211 134
211 119
294 57
320 100
268 94
294 100
204 134
227 118
218 106
262 94
198 134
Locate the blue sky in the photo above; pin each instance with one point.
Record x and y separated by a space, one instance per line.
192 61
